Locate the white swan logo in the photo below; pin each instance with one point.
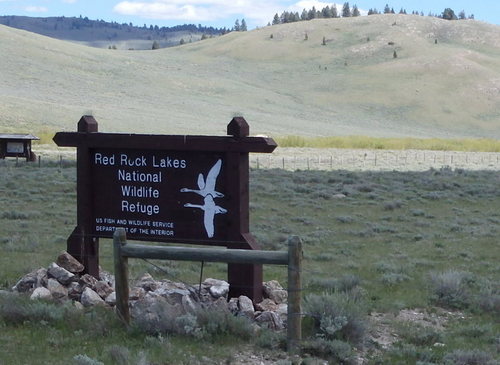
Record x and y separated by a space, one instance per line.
208 192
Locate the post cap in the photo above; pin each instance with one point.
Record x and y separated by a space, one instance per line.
238 127
88 124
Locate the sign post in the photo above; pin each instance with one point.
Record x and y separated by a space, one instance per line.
166 188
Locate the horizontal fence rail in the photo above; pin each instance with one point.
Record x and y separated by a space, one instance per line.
293 259
205 254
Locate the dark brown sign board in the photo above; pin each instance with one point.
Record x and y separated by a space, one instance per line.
17 145
165 188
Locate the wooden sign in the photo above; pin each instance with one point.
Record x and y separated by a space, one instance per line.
160 195
17 145
166 188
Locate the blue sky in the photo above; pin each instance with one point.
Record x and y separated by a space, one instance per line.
223 13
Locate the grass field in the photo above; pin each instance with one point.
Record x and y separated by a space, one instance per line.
394 243
282 85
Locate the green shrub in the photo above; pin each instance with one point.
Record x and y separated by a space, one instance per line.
421 335
335 350
119 355
86 360
17 309
217 322
337 316
272 340
471 357
450 289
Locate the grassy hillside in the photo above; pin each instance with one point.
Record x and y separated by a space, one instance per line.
102 34
282 83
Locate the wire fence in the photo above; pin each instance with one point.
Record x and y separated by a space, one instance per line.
331 159
379 160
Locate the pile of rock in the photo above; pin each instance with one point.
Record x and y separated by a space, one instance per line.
63 281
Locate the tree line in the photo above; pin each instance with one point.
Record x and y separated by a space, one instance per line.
348 11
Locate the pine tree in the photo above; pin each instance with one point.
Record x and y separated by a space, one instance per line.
276 19
449 14
243 27
303 16
462 15
237 26
346 10
155 45
387 9
355 11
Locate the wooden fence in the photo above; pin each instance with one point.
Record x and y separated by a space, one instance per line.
292 258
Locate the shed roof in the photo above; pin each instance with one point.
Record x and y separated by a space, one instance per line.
18 136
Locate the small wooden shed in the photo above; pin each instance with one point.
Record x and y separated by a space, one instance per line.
17 145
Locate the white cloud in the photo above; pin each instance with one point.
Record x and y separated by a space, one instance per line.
258 11
308 4
69 1
35 9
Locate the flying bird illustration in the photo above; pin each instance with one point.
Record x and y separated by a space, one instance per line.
207 186
210 209
208 192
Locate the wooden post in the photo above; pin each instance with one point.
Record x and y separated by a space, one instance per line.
294 330
121 275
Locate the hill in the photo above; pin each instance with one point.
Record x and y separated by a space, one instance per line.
102 34
444 82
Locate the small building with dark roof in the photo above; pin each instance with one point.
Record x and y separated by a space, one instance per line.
17 145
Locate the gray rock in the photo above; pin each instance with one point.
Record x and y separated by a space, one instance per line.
107 277
60 274
216 288
68 262
34 279
91 298
338 196
154 313
189 305
246 306
219 304
282 311
266 305
88 281
103 289
74 290
147 283
136 293
274 291
41 277
56 289
218 291
270 320
213 282
111 299
41 293
232 305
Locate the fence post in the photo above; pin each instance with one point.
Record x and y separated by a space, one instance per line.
39 161
294 331
121 275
